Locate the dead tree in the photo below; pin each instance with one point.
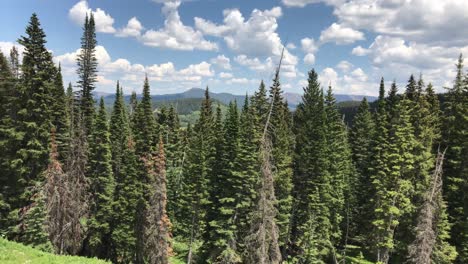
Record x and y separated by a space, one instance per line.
420 250
262 243
157 232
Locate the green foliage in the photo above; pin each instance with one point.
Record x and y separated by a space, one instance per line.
311 230
455 138
11 253
102 186
87 71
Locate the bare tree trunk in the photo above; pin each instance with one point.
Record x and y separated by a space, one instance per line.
420 250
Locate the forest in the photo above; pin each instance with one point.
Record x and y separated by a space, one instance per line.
256 183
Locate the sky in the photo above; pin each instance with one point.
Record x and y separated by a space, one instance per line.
231 46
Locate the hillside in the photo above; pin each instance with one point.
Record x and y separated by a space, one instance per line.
12 252
190 97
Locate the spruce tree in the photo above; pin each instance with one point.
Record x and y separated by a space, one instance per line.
361 135
340 167
282 142
455 138
34 119
14 62
196 171
158 226
101 186
144 124
128 192
60 118
311 226
119 131
87 71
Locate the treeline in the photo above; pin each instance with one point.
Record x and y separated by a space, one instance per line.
257 184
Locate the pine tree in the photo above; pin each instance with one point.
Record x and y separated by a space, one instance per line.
430 243
361 135
133 103
311 229
60 118
7 85
144 123
263 241
157 233
119 131
394 192
14 62
455 138
282 142
247 171
33 120
57 201
102 186
87 71
340 167
196 171
127 194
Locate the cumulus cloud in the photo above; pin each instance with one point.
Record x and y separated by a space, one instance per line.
133 29
255 39
104 22
344 66
222 62
174 34
340 35
132 74
302 3
309 59
225 75
6 46
360 51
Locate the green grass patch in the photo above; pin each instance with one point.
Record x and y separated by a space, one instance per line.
12 252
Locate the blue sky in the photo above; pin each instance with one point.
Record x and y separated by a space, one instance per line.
231 45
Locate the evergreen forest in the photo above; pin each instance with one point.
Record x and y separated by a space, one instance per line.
252 182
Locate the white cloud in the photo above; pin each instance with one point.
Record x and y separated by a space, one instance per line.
104 22
291 46
255 64
340 35
242 81
5 48
302 3
328 76
308 45
225 75
309 58
254 38
174 34
344 66
360 51
222 61
133 29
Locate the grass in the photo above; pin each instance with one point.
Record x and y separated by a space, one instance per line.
12 252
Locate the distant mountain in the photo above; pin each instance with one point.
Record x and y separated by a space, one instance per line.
293 99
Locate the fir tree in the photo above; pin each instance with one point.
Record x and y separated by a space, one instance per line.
196 172
361 135
87 71
33 120
102 186
119 131
455 138
144 123
311 229
14 62
157 232
60 118
127 194
282 142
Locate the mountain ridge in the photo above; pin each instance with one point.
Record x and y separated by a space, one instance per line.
293 99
